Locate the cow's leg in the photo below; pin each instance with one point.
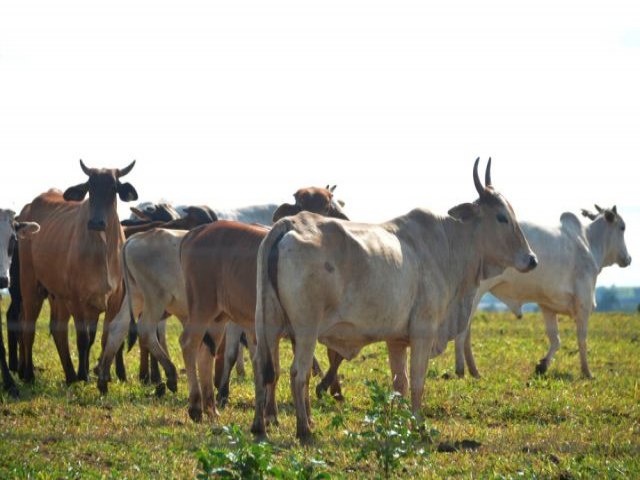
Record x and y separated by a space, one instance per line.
582 321
206 357
300 374
468 355
330 380
271 407
232 347
32 304
420 349
398 366
59 328
263 373
190 341
13 332
551 326
148 331
144 365
459 346
83 341
155 375
7 379
118 329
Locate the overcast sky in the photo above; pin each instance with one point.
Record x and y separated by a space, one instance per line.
242 102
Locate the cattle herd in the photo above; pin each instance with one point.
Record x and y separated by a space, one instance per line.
231 279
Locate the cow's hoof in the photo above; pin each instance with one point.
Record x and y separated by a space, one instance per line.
272 420
103 386
71 380
222 401
542 367
161 389
320 390
172 384
338 397
13 391
195 413
305 437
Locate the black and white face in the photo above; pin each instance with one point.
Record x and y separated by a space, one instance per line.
10 230
102 187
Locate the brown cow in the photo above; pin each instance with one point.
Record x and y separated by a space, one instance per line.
75 259
219 267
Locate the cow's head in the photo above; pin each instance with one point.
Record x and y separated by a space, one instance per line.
102 186
312 199
10 231
501 240
611 229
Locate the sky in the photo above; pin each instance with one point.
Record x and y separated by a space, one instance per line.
243 102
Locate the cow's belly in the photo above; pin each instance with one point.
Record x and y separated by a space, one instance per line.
554 299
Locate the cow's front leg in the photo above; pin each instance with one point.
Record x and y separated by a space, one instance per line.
582 321
551 326
420 349
398 366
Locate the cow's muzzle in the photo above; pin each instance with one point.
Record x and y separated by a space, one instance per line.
625 262
4 282
529 263
97 225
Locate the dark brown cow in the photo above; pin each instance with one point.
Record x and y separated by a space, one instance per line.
76 260
219 267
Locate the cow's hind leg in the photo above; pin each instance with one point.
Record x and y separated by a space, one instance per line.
118 329
7 379
551 326
148 331
300 374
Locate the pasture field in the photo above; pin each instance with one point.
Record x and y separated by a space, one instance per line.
558 426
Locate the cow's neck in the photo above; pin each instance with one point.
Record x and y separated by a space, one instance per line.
596 236
464 263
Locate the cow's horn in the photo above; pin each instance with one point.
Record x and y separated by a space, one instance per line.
476 179
487 174
85 169
614 210
598 208
122 172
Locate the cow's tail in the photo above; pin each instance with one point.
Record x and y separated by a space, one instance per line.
270 315
133 328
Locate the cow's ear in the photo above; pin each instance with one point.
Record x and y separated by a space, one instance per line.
126 192
285 210
609 216
26 229
464 211
77 192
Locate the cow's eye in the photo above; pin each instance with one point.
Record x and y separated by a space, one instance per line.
622 227
502 219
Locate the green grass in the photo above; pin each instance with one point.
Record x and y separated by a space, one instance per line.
559 426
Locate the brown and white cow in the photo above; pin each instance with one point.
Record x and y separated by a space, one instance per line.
219 267
10 231
571 256
75 259
410 281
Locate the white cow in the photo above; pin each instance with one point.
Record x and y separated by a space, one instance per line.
571 255
411 281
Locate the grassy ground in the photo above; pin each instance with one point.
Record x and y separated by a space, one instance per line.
560 426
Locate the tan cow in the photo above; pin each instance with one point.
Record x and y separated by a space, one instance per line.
571 256
75 258
410 281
